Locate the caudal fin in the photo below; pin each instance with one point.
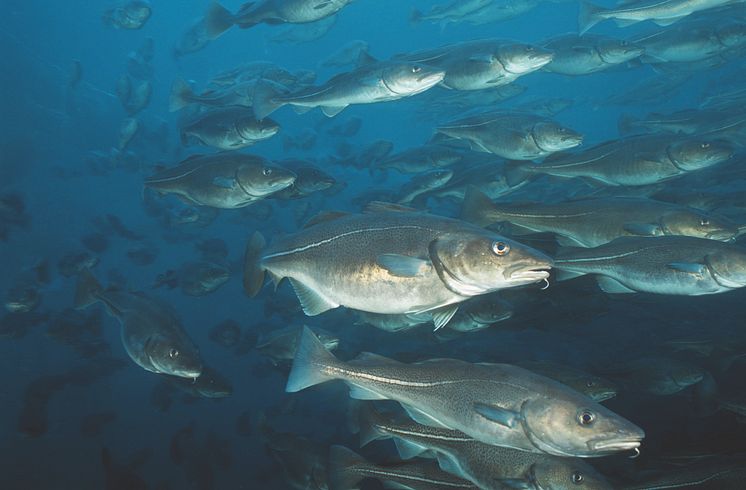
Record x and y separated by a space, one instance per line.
253 273
589 16
311 357
369 420
86 292
344 467
517 172
476 207
217 20
181 94
265 99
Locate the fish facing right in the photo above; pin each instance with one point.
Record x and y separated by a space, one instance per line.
496 404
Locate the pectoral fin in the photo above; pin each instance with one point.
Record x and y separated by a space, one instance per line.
403 266
224 182
688 267
643 229
502 416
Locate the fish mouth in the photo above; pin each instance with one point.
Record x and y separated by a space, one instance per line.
603 396
433 78
535 274
615 444
722 235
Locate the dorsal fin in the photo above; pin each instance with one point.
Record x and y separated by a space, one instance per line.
325 216
388 207
364 59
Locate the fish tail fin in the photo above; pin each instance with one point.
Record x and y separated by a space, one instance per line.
86 292
253 273
416 16
265 99
343 465
180 97
589 16
626 124
217 20
369 421
310 358
476 207
516 172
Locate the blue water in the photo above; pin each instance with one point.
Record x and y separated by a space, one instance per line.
45 155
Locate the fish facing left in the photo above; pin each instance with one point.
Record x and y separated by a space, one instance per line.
152 335
392 260
496 404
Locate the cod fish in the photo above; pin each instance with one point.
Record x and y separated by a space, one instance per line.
476 65
222 180
130 15
595 221
656 375
638 160
229 128
152 335
373 81
489 467
692 41
423 158
661 12
581 55
347 469
675 265
496 404
424 182
516 136
595 387
392 260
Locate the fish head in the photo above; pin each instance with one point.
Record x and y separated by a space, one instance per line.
698 224
411 78
436 178
251 129
493 311
732 34
597 388
574 425
173 356
616 51
473 263
523 58
263 179
685 374
697 153
551 137
311 179
565 474
728 267
210 384
211 276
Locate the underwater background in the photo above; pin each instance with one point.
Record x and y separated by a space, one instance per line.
78 413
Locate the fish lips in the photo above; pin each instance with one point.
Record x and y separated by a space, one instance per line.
615 444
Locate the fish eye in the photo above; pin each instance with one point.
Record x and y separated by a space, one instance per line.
704 222
416 69
577 478
586 417
590 383
500 248
704 146
267 171
173 353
